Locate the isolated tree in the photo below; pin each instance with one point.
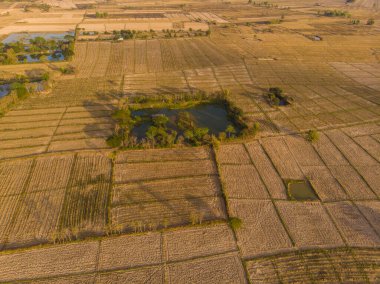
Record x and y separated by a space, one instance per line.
230 130
370 22
312 135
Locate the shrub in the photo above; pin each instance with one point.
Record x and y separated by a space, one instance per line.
370 22
235 223
114 141
312 135
67 70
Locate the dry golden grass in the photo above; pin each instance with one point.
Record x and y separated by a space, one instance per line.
308 224
219 269
147 171
233 154
267 171
50 261
153 155
158 190
198 242
262 231
243 181
352 225
142 250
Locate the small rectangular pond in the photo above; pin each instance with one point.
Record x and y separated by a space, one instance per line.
211 116
301 190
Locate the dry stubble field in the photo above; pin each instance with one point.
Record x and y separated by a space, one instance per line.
160 215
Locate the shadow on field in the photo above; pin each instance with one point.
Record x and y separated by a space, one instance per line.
97 119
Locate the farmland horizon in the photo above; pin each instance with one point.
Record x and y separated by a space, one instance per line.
189 141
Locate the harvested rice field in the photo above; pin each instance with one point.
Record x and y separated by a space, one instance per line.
101 183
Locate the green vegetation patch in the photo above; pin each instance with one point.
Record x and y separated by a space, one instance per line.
277 97
167 121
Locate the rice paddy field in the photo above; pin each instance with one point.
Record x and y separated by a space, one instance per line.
75 210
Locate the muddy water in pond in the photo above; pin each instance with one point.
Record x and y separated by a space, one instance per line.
212 116
301 190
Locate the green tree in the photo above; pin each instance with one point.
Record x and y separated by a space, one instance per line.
160 120
312 135
222 136
11 56
370 22
230 130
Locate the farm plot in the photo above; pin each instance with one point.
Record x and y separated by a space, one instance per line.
362 130
156 155
50 261
160 190
169 61
173 82
282 158
370 144
352 182
154 57
37 219
353 152
308 224
262 230
324 183
129 57
78 144
116 60
371 175
189 55
352 225
141 56
153 274
22 152
101 64
13 176
74 279
243 181
147 171
202 79
303 151
50 173
233 154
198 242
28 142
178 54
85 207
141 250
8 208
262 270
84 92
226 79
92 54
167 213
218 269
26 133
267 171
139 84
329 266
328 152
371 210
